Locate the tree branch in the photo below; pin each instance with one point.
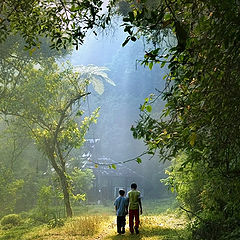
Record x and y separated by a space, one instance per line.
191 213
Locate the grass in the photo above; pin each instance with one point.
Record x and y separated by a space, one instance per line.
161 227
99 222
94 210
84 227
156 207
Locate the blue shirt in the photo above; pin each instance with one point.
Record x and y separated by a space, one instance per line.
121 204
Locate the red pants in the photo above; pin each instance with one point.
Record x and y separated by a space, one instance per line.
133 214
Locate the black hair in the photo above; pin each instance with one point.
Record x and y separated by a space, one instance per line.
134 185
121 192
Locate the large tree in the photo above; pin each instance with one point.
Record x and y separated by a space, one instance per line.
46 100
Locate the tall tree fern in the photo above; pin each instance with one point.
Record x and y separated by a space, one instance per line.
95 75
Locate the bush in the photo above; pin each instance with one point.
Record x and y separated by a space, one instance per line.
11 220
44 211
207 229
24 215
56 222
40 216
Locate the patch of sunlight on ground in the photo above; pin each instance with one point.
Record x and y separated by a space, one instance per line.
77 228
160 227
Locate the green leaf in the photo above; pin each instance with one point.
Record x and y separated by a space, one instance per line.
165 76
149 108
167 112
139 160
150 65
168 136
79 113
151 152
114 166
192 139
163 64
142 107
32 50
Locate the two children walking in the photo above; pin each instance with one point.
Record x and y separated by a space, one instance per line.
131 202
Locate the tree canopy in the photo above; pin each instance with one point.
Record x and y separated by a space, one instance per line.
64 22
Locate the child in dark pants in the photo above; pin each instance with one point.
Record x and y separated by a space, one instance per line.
121 207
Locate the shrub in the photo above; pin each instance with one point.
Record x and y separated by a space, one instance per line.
42 216
45 210
56 222
11 220
24 215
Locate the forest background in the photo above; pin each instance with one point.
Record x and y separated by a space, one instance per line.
198 130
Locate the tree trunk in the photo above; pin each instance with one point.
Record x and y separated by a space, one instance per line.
64 184
66 196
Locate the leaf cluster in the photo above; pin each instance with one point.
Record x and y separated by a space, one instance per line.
64 22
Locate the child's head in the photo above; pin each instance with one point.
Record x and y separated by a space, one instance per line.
134 186
121 192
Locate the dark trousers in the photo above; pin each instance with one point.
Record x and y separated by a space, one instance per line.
121 222
133 214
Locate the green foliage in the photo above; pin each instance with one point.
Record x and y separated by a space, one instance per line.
82 181
45 197
51 96
42 97
9 187
113 166
188 182
11 220
56 222
61 21
139 160
46 208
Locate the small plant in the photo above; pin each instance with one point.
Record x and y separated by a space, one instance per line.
56 222
10 220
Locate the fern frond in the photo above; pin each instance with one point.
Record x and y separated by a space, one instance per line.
95 75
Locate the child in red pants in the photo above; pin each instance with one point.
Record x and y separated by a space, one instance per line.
135 204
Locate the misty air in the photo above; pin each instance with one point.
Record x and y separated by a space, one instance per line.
119 120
